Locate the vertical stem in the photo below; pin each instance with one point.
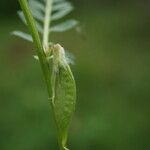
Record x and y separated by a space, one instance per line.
47 20
37 43
40 50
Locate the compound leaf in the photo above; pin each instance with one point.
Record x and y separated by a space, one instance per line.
22 35
61 13
62 27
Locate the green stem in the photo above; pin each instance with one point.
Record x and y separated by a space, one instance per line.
37 43
48 10
40 52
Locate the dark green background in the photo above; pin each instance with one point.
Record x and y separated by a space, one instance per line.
112 72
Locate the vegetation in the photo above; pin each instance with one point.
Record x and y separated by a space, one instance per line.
53 60
112 75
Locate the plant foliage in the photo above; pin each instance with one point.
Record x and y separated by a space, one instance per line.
38 16
58 10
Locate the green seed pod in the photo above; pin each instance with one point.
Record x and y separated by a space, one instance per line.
64 94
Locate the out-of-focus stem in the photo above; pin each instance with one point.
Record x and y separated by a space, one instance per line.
47 20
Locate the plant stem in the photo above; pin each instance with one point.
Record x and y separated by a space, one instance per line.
47 20
40 52
37 43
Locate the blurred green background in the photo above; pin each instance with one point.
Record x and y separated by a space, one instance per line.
112 72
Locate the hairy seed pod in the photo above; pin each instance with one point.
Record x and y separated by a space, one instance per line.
64 96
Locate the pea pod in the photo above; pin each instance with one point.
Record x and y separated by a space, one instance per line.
64 94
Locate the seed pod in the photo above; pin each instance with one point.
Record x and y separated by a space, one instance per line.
64 94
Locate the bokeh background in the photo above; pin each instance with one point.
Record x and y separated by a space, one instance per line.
112 72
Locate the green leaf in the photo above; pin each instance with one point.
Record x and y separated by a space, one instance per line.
38 15
58 10
39 27
21 16
56 1
62 27
23 35
61 13
63 5
36 5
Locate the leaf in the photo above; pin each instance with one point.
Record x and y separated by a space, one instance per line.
39 27
21 16
62 27
56 1
64 94
60 8
22 35
38 15
36 5
63 5
61 13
